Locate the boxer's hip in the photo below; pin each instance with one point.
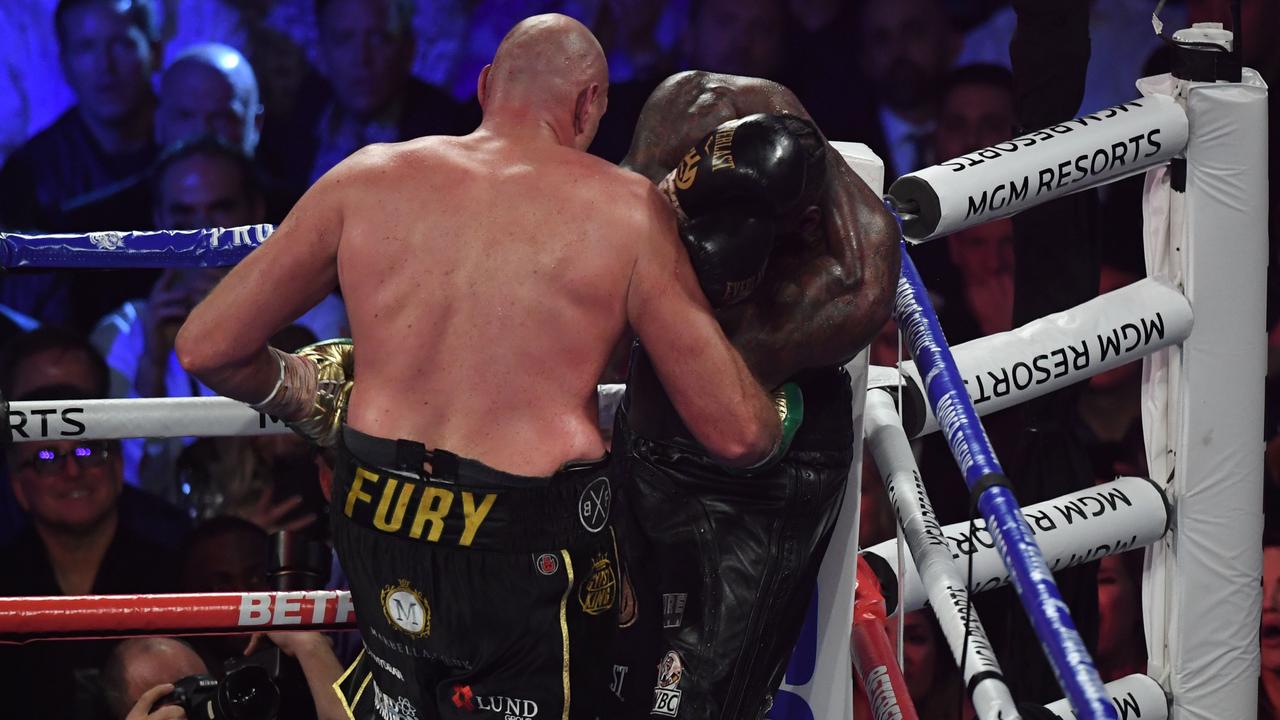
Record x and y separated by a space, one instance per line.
381 485
474 589
731 560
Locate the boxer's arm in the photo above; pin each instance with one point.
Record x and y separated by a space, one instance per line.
711 388
838 300
224 340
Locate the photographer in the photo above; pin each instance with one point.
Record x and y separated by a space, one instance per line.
229 554
142 676
141 671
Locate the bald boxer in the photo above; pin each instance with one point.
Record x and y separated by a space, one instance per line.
487 279
724 565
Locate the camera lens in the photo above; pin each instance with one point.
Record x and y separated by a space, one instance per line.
247 693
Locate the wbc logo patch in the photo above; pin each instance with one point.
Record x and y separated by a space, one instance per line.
666 698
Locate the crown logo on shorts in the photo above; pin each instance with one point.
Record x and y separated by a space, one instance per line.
406 609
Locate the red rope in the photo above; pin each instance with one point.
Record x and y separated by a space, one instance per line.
105 616
873 655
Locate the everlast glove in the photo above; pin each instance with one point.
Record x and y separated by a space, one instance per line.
732 188
729 250
311 394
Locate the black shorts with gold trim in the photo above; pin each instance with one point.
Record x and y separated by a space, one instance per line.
479 594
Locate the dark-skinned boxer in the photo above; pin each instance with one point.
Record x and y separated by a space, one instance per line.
800 259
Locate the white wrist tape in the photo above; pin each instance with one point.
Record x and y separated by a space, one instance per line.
294 394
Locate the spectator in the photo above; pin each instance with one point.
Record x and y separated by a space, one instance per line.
1269 686
983 255
108 50
228 554
976 110
640 39
80 539
225 554
243 477
203 183
820 59
139 672
906 47
32 89
1122 648
209 89
1121 43
932 677
1110 407
51 358
366 50
739 37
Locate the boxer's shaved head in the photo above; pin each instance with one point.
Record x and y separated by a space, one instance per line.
548 63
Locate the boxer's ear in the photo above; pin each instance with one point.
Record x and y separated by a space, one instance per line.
582 108
482 85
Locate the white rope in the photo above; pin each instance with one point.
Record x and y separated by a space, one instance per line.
169 417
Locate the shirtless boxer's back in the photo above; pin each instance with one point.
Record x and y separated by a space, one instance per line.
487 278
724 566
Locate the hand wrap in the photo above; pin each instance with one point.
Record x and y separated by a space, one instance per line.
312 391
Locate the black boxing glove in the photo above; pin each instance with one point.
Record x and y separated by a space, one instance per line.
731 189
729 250
770 162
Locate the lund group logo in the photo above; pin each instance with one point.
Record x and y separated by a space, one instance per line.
509 708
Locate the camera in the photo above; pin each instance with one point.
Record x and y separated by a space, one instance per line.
246 693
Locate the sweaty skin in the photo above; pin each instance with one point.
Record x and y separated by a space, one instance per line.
819 304
487 277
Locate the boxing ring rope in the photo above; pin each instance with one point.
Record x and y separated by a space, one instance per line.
1009 177
1183 416
1073 529
117 418
984 681
873 657
209 247
26 619
1006 369
999 371
991 493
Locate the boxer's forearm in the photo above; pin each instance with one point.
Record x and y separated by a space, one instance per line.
248 377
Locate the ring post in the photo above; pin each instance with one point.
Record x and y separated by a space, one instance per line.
968 441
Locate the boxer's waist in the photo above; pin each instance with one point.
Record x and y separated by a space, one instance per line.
828 413
401 488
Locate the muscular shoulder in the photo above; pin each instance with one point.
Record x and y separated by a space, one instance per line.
703 92
382 167
636 199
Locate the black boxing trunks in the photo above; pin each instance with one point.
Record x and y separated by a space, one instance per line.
479 594
723 566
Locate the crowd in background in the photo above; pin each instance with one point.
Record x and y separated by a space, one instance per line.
185 114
